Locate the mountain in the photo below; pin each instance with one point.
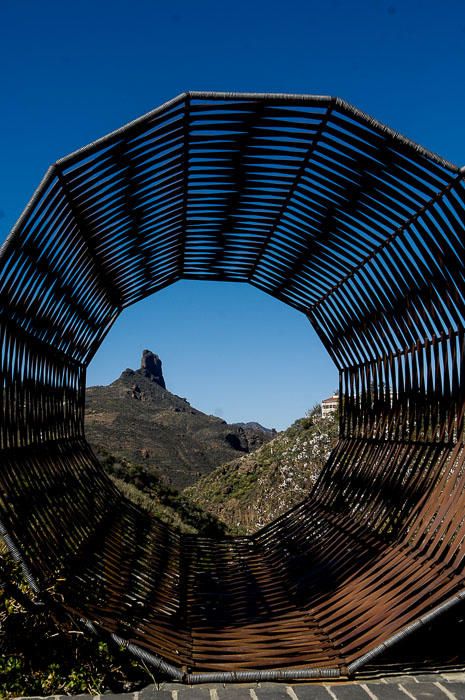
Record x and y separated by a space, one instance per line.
195 471
137 419
253 490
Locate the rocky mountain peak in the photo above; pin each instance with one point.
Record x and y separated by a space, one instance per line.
151 367
142 422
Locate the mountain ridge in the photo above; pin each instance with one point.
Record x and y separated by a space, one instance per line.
138 419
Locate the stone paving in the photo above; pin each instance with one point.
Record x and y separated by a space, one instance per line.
439 686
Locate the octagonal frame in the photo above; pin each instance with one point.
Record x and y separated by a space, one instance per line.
319 205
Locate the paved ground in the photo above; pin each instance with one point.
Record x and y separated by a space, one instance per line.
445 686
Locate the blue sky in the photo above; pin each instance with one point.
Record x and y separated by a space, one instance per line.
71 72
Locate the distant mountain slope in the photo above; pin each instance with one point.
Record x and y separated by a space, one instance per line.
255 489
137 419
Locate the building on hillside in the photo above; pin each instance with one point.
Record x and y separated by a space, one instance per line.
329 406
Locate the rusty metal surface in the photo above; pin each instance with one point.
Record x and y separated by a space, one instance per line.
315 203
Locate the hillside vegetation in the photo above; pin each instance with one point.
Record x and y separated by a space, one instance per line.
249 492
147 490
43 653
240 496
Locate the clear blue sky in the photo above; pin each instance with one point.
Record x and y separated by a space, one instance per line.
71 72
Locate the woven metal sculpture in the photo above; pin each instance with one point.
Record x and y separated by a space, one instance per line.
315 203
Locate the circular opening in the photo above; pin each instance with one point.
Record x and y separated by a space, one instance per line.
213 437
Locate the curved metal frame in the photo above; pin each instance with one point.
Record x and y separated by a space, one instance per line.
317 204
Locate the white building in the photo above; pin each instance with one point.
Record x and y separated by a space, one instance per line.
329 406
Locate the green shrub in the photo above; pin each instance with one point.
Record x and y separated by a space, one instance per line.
40 655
